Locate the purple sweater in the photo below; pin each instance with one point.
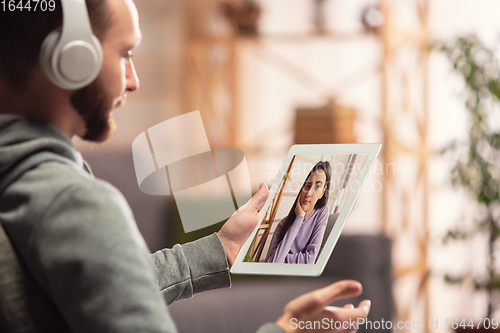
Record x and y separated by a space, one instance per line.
302 241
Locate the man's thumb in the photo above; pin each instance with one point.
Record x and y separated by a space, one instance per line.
259 199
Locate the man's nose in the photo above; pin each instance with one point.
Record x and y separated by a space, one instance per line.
132 78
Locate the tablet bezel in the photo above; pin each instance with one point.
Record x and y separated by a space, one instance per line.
260 268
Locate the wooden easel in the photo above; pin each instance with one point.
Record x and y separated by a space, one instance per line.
257 248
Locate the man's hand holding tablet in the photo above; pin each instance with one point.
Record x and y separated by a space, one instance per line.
304 312
300 313
236 230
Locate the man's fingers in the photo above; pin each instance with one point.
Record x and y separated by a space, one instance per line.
314 305
366 305
339 290
320 298
354 313
258 200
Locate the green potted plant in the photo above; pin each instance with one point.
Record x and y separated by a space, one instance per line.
476 163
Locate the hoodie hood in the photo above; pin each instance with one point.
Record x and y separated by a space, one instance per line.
26 142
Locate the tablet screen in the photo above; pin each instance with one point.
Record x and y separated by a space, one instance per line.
312 192
309 202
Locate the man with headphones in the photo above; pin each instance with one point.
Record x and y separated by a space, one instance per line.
62 72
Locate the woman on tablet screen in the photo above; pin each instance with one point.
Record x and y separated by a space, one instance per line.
297 238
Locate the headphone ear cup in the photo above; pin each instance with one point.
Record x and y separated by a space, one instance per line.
47 62
73 64
78 62
96 69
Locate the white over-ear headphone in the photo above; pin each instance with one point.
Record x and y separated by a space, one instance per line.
71 58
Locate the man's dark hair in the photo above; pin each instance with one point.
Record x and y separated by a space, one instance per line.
22 34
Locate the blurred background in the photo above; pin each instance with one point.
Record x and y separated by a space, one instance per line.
418 76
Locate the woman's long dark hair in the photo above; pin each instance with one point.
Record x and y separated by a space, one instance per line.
327 168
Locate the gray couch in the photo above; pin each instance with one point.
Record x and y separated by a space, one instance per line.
251 301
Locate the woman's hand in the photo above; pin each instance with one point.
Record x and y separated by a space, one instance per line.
299 210
313 306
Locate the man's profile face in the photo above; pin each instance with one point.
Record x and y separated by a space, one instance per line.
96 101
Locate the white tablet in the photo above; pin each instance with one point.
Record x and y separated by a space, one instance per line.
309 203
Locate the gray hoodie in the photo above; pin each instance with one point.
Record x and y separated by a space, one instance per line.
78 238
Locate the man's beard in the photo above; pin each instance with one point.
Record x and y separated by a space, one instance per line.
95 107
